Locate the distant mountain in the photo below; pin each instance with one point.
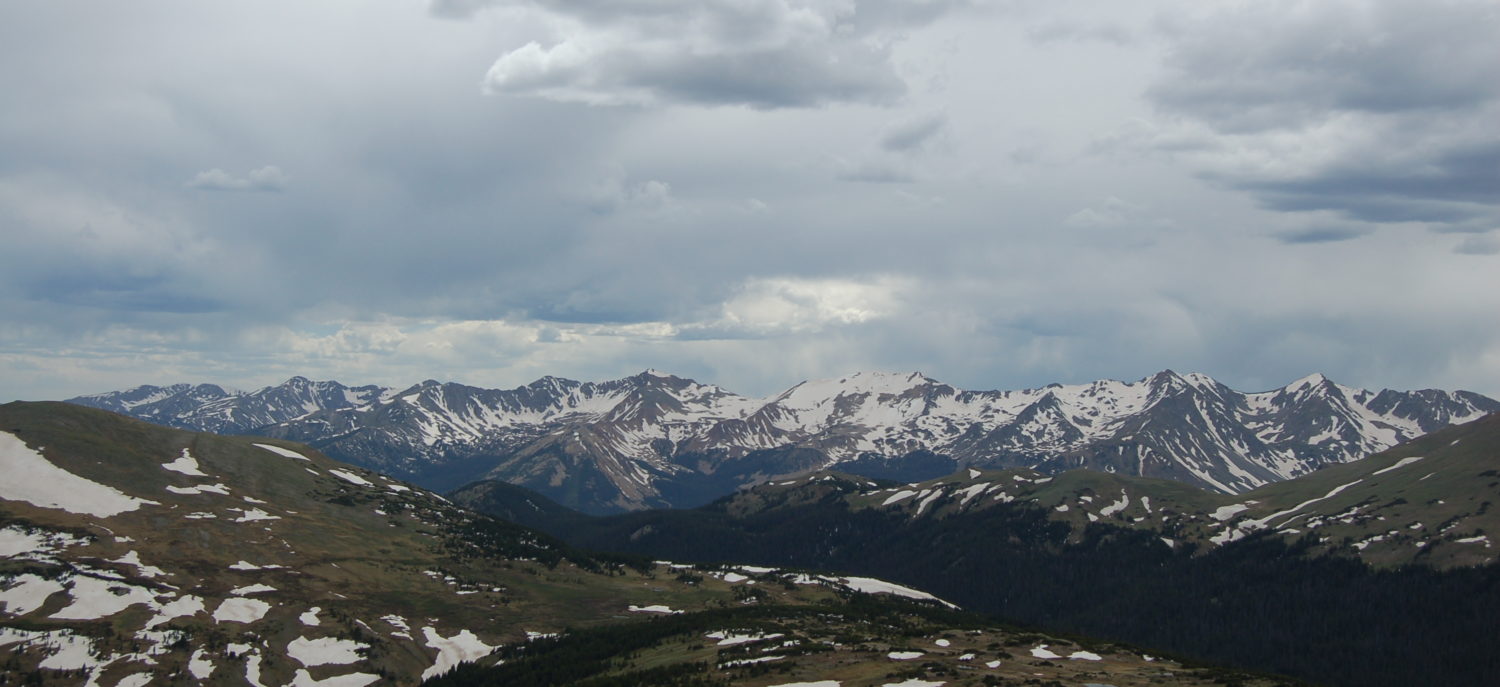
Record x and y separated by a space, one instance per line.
655 440
1379 572
132 554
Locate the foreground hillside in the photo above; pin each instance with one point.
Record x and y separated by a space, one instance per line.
1374 572
657 440
137 552
132 554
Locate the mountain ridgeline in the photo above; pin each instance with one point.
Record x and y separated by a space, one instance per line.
656 440
1377 572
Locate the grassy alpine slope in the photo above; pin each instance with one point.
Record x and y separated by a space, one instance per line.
242 559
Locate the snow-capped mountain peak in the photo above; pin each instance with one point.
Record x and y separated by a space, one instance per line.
636 440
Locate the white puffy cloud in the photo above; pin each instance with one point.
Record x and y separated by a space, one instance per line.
779 305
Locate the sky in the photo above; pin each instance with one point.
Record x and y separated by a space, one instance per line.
999 194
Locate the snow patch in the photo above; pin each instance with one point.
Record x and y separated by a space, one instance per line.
240 610
1043 652
283 452
870 585
28 593
1399 464
30 477
219 489
185 464
651 609
94 599
256 588
728 638
899 496
253 515
133 559
199 666
245 565
1226 512
177 608
460 648
1117 506
748 661
325 651
350 477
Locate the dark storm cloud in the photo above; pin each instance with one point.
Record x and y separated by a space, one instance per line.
1447 186
1398 100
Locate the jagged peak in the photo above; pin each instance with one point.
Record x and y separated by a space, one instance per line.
1165 376
1313 380
552 382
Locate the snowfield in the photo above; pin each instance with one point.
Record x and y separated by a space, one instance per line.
325 651
459 648
30 477
238 610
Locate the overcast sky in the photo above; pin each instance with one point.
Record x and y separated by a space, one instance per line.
748 192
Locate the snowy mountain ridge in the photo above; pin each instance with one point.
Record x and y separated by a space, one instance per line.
656 439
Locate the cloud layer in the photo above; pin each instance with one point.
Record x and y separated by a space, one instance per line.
751 192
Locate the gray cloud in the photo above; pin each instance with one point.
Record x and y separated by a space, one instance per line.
1382 111
1479 245
913 134
766 54
1322 234
1283 64
1068 31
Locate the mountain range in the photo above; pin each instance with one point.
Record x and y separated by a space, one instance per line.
657 440
133 554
